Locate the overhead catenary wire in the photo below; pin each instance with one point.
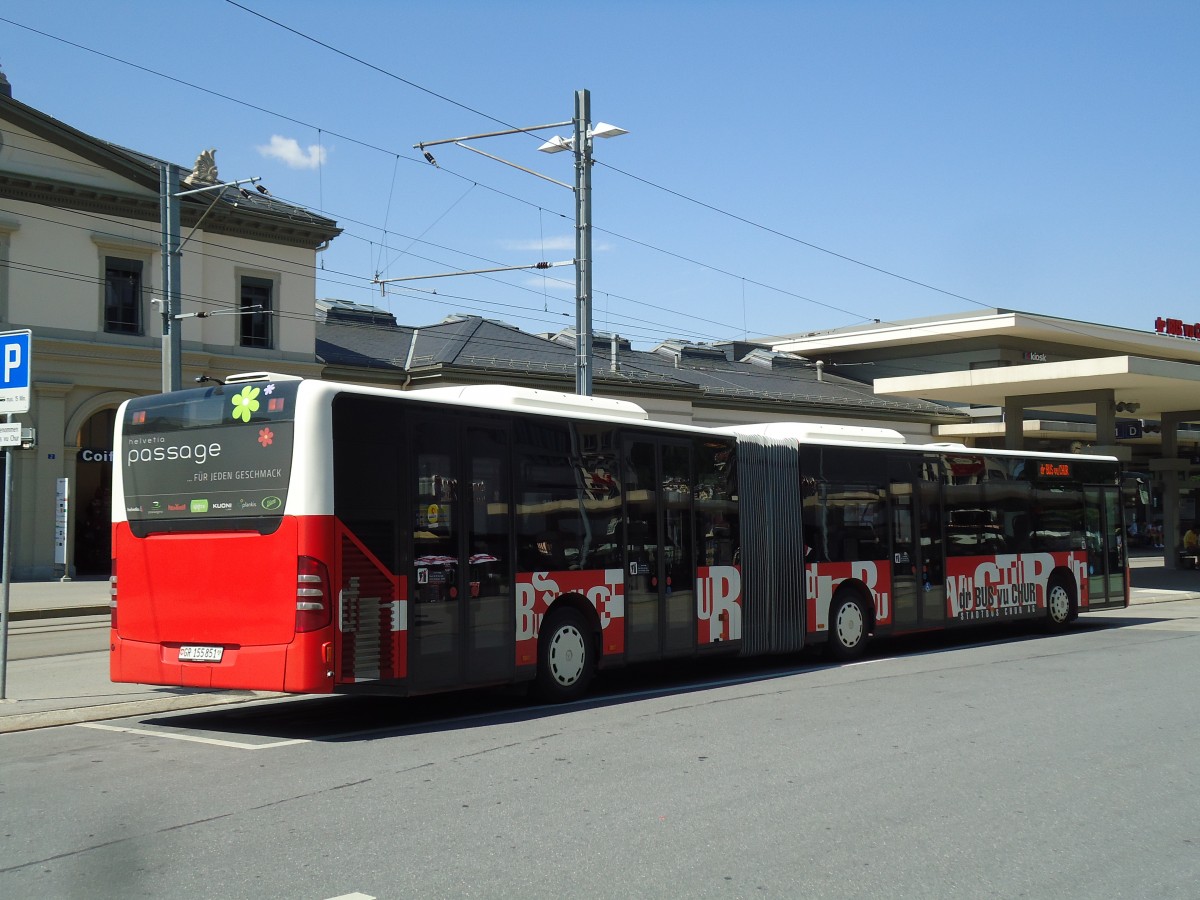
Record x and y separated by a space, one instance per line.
351 235
634 327
641 179
600 162
292 267
453 302
789 237
638 178
860 316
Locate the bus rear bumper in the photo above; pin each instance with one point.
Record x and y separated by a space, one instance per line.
297 667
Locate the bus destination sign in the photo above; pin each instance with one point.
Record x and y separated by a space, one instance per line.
1054 469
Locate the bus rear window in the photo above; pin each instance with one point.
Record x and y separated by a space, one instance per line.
211 459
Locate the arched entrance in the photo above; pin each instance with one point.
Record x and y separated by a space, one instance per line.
92 495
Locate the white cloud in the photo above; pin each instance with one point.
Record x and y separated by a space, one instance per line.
550 282
565 242
287 151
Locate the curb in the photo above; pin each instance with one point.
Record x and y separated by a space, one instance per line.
53 718
61 612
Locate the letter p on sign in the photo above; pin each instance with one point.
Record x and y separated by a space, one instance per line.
12 360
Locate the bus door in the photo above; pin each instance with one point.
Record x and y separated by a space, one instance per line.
461 573
918 582
660 601
1105 546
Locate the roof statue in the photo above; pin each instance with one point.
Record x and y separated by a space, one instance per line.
205 169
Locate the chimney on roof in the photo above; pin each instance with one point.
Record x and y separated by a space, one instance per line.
5 87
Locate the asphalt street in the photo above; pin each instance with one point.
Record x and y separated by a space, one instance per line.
58 663
1005 764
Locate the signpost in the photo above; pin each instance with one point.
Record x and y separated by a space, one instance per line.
15 388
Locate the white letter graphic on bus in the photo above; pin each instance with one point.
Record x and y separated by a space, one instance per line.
718 591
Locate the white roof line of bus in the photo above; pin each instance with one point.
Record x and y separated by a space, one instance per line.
862 433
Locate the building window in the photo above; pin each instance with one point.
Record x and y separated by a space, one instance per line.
122 295
255 329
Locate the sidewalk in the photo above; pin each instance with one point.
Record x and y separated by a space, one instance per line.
73 686
54 599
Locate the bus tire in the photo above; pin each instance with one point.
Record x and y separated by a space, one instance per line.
566 657
1060 603
849 626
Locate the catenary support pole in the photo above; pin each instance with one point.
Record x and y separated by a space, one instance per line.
168 185
583 243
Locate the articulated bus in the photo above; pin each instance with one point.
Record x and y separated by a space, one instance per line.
280 534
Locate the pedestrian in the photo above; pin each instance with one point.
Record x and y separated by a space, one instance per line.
1191 539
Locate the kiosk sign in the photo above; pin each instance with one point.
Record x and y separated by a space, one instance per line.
14 371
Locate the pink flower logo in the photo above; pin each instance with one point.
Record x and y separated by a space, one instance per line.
265 437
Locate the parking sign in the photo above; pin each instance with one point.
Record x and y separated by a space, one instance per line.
14 371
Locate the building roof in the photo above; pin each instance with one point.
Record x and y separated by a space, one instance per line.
246 214
1153 386
474 349
1029 329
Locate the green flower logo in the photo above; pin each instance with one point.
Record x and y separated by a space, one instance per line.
245 403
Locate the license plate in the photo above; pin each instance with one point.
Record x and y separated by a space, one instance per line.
200 654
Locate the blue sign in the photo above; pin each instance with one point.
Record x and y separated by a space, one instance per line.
15 381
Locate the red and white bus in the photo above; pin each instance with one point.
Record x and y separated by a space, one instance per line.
295 535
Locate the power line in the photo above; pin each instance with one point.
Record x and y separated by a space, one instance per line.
372 66
398 156
645 181
196 87
305 269
440 298
788 237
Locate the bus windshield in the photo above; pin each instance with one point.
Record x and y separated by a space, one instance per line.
211 459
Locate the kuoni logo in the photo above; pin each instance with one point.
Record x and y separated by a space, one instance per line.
245 402
199 506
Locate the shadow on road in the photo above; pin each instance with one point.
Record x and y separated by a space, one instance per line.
367 718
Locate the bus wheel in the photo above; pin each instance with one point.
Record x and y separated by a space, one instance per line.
847 626
1059 604
566 657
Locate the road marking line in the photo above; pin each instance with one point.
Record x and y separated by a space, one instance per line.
216 742
355 896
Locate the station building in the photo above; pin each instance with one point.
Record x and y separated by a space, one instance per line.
1031 381
80 268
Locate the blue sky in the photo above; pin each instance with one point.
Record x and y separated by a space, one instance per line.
790 166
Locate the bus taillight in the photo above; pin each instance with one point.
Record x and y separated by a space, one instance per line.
314 608
112 597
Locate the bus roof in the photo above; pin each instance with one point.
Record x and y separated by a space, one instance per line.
543 402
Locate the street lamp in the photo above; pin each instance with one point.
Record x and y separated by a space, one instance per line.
580 143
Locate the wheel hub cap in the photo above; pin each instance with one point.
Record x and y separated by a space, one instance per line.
849 625
567 655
